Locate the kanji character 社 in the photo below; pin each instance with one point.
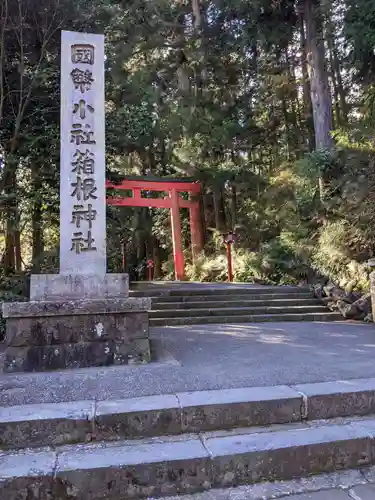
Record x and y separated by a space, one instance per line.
81 244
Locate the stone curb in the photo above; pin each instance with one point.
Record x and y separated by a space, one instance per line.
255 297
228 302
229 310
31 309
257 318
199 292
184 464
53 424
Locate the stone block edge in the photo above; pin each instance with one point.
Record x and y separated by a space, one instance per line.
38 308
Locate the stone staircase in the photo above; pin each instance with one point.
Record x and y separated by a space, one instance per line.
189 304
176 444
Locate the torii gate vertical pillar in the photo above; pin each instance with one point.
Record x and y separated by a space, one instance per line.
178 254
174 202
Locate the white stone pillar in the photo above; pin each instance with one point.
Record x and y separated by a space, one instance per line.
82 156
83 260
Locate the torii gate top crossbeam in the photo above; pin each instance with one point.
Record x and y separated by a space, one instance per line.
172 201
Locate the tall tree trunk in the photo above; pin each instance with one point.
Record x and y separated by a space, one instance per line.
233 204
36 220
320 95
219 207
340 86
17 246
293 101
199 21
340 96
308 113
11 221
336 119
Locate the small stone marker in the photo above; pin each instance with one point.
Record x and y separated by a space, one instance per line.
82 157
83 315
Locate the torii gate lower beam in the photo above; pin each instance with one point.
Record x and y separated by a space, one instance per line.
174 202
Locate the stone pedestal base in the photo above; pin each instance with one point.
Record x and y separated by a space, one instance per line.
54 335
78 286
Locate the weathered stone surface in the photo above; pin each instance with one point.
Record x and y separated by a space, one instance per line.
128 472
60 287
252 458
339 399
139 417
46 424
76 307
27 476
322 495
348 311
52 330
184 464
363 492
72 259
77 355
136 353
206 410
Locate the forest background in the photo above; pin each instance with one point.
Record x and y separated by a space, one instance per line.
270 104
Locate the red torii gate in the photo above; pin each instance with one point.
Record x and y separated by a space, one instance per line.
174 202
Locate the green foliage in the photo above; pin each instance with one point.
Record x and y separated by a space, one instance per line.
222 100
316 164
333 256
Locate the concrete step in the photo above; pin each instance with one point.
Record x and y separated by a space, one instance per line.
233 297
238 311
224 290
352 484
233 302
54 424
186 464
255 318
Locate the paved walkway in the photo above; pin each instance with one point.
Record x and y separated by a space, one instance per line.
346 485
213 357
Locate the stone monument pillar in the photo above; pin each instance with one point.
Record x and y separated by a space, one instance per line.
82 316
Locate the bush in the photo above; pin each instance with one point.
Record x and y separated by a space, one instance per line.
274 264
334 256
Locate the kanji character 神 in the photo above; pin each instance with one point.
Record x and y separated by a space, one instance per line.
82 80
84 189
84 162
81 213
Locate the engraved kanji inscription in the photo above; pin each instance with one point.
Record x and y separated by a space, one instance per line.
82 244
84 162
81 107
82 80
84 189
83 53
81 135
80 213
